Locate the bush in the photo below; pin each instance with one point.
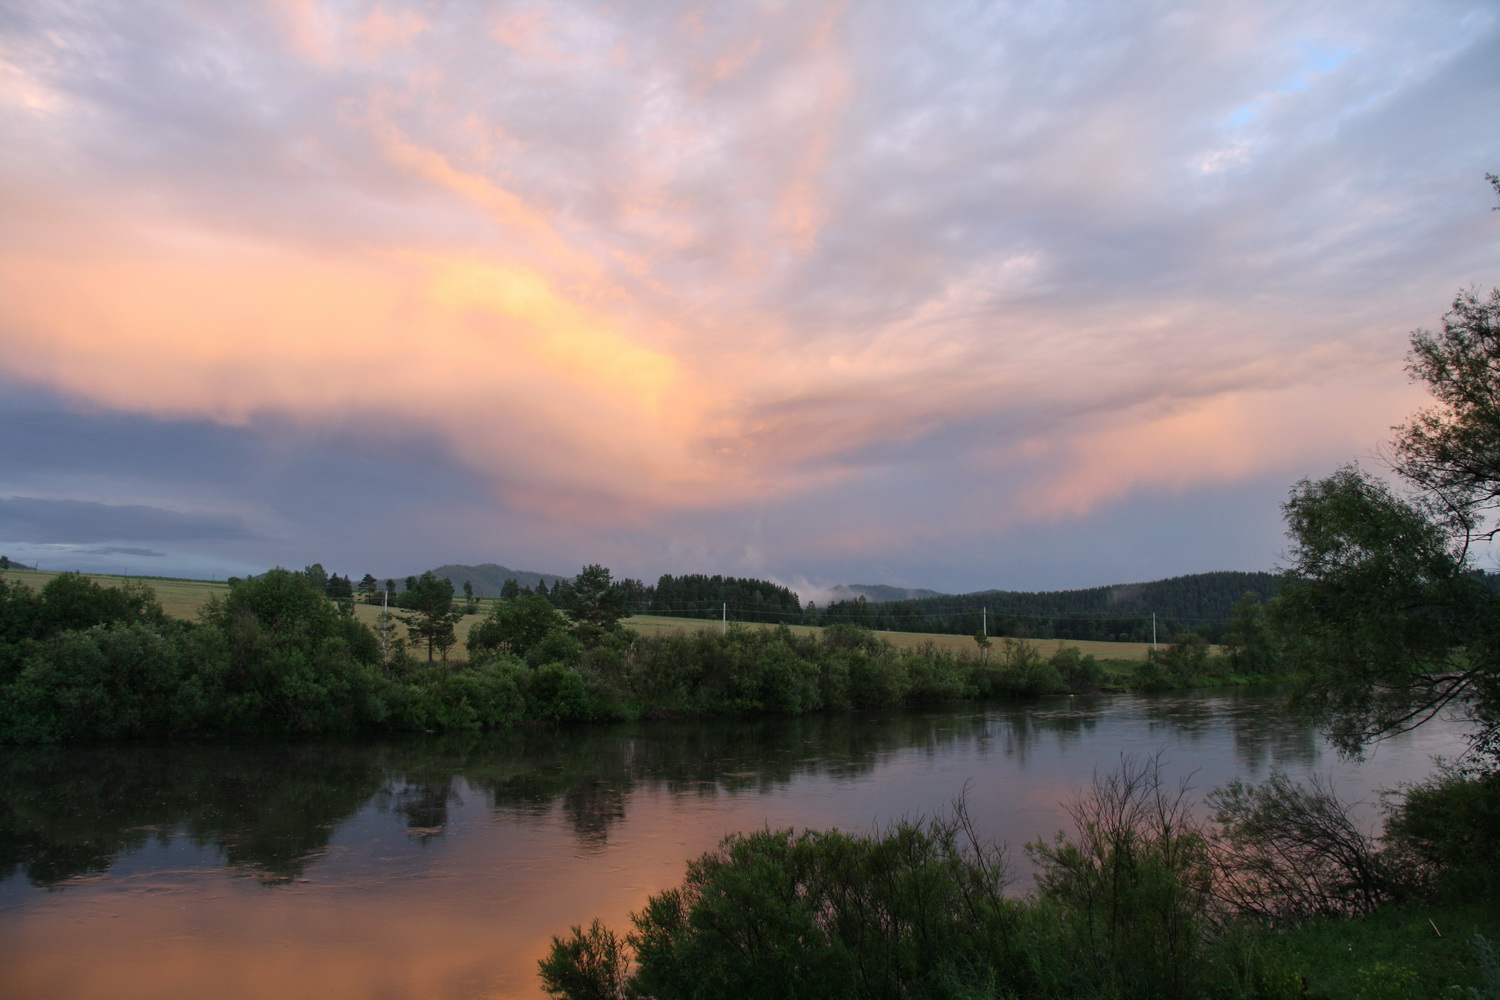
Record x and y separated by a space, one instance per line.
1184 661
559 694
1149 675
1022 670
1288 852
480 696
1133 891
555 647
1444 833
1078 670
776 914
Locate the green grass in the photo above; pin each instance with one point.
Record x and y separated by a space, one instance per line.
179 598
1396 952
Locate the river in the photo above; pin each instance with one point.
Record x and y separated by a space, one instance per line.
441 867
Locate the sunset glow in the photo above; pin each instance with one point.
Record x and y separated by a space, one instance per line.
822 292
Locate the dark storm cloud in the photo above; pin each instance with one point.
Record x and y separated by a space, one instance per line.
46 521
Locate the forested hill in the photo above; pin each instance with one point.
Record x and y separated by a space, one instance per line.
488 578
1201 602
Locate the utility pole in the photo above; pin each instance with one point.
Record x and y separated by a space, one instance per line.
724 619
1153 630
984 622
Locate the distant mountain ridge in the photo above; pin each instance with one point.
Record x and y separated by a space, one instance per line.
489 578
879 592
1193 595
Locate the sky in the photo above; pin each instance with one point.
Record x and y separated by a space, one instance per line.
1021 295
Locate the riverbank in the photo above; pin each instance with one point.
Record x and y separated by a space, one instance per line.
80 661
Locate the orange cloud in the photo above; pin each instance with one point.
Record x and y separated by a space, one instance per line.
1217 439
327 39
510 213
523 378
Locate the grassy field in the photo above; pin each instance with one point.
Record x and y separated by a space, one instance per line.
179 598
185 598
648 624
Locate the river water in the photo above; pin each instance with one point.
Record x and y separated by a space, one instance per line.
441 867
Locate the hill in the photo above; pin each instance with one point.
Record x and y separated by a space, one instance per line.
488 578
1199 602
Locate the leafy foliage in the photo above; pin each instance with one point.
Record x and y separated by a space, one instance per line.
515 626
779 914
1134 886
593 602
431 597
1137 903
1443 835
1380 608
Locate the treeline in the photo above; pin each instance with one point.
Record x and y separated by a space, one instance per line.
699 596
692 596
277 656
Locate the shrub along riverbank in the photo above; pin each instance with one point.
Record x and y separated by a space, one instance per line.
80 661
1279 897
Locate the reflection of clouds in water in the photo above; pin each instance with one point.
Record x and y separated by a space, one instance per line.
272 813
541 829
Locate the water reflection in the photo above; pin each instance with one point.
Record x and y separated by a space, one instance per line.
269 812
440 867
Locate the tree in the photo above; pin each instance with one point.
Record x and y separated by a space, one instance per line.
317 576
1248 644
431 597
510 590
983 642
1452 451
594 601
280 608
471 604
1381 608
368 588
515 626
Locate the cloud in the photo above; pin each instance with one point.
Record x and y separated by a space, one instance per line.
630 267
123 550
76 522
